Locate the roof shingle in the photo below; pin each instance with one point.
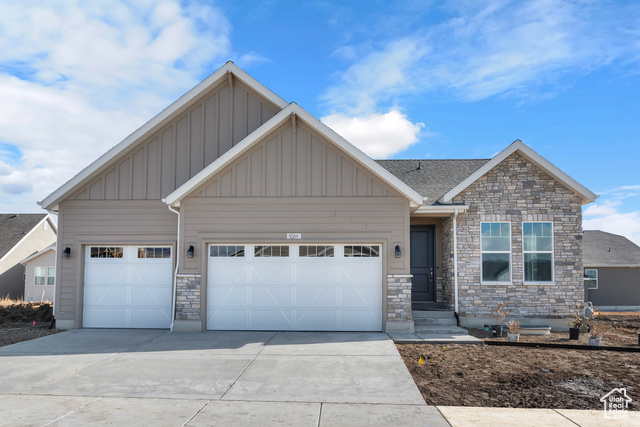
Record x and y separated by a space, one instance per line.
13 227
605 249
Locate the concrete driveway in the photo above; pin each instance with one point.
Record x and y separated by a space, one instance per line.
133 377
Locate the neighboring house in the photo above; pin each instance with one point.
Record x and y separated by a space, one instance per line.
21 235
275 222
40 275
611 271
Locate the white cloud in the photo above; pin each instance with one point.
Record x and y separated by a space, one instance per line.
77 77
606 215
378 135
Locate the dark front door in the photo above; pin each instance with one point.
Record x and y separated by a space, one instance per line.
423 265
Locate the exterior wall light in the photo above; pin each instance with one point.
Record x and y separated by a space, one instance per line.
398 251
66 254
190 251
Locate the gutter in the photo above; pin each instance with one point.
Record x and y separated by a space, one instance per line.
175 274
455 265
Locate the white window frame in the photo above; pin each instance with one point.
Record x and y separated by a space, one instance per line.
510 252
46 276
552 252
587 279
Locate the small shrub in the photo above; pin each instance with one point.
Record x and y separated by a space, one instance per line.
514 327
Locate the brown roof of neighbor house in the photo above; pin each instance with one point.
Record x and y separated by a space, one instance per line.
432 178
605 249
13 227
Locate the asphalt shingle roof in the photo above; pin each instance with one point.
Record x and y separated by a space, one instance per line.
432 178
13 227
600 249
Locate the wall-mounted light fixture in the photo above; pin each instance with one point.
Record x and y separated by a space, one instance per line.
66 254
190 251
398 251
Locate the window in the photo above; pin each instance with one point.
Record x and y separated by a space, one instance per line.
154 252
537 245
226 251
271 251
496 251
104 252
316 251
591 278
361 251
44 276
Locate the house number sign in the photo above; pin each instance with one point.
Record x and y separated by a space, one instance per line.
294 236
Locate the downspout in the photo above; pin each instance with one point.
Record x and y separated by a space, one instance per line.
175 274
455 265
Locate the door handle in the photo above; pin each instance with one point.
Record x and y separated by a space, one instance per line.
431 273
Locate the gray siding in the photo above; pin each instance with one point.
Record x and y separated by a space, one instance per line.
178 151
617 286
294 163
84 222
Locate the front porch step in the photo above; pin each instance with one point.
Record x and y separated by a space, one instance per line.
420 314
440 329
435 321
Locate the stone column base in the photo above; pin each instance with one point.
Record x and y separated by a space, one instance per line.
405 327
187 326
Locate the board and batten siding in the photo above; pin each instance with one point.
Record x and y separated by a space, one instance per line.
91 222
161 163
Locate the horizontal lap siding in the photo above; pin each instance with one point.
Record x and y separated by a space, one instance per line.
164 161
339 219
92 222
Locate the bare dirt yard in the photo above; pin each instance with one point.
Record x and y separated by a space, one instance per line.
17 321
529 377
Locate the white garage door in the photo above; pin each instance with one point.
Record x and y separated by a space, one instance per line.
127 287
295 287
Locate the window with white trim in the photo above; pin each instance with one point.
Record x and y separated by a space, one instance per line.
591 278
362 251
537 248
226 251
44 276
495 250
272 251
315 251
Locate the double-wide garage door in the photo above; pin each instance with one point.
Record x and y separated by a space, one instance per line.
127 287
332 287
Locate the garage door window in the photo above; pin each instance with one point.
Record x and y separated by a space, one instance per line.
316 251
106 252
154 252
225 251
271 251
362 251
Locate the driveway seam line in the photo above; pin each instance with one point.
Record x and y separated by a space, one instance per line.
246 367
320 414
442 415
564 416
71 412
197 412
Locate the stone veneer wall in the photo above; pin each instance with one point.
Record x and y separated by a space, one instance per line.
399 297
515 191
188 297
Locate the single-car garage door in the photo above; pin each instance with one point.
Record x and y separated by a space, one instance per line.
127 287
328 287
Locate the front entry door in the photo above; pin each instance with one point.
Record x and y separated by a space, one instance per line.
423 264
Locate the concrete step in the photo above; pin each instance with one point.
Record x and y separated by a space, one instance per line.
418 314
427 321
449 330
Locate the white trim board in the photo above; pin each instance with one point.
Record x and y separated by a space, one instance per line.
585 194
259 134
51 201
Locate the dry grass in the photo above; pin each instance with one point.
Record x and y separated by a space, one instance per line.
6 302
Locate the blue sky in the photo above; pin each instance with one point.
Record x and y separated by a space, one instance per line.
402 79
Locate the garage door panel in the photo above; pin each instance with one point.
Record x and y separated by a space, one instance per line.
128 292
332 293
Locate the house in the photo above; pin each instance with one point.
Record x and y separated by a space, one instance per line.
40 275
235 210
21 235
611 271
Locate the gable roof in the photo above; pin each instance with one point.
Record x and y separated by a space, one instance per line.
15 227
51 201
586 195
37 254
295 110
601 249
432 178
